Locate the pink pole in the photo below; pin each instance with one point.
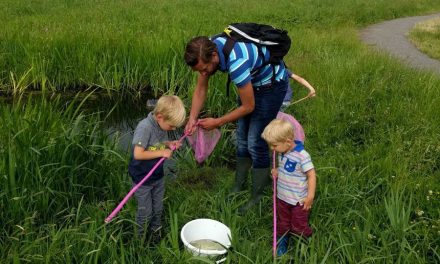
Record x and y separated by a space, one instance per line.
274 245
134 189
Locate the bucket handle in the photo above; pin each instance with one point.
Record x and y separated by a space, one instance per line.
220 261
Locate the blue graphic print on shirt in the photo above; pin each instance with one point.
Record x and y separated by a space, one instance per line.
290 166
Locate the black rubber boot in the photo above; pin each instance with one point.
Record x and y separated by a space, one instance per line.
260 179
241 174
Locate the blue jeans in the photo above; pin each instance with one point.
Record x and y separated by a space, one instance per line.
249 128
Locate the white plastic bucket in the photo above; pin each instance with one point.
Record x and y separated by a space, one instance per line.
206 229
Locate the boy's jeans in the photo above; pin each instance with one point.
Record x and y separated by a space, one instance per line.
249 128
150 205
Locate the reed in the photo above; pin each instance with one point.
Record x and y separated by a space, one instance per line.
373 132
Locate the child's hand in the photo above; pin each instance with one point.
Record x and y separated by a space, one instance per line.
175 144
166 153
274 174
308 203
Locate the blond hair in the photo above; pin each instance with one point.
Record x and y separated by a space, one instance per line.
172 109
278 131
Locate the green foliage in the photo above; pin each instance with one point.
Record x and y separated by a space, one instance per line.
426 36
137 45
373 132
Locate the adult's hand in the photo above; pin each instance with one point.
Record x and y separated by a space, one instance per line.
209 123
190 126
247 98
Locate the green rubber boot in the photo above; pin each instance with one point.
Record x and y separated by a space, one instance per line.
241 174
260 179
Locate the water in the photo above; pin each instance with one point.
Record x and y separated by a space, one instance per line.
207 244
120 114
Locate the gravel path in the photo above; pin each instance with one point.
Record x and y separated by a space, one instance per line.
391 37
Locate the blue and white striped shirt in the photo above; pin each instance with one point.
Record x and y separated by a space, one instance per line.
244 60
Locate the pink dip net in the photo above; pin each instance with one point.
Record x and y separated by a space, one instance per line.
297 128
203 141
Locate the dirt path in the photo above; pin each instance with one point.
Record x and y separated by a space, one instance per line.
391 37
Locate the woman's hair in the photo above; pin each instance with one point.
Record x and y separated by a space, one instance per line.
199 48
172 109
278 131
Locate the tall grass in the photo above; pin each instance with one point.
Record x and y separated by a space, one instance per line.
425 36
373 132
63 177
131 45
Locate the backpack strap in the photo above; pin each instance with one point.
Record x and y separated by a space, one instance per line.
228 84
227 48
273 74
244 35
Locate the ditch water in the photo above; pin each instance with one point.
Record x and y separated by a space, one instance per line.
121 114
123 121
125 118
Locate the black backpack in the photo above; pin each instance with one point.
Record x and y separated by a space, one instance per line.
275 40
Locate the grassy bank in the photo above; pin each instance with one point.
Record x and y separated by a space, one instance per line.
373 132
135 45
426 36
375 201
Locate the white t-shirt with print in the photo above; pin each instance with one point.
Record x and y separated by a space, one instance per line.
292 181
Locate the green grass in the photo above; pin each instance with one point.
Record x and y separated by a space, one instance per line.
137 45
373 132
426 36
